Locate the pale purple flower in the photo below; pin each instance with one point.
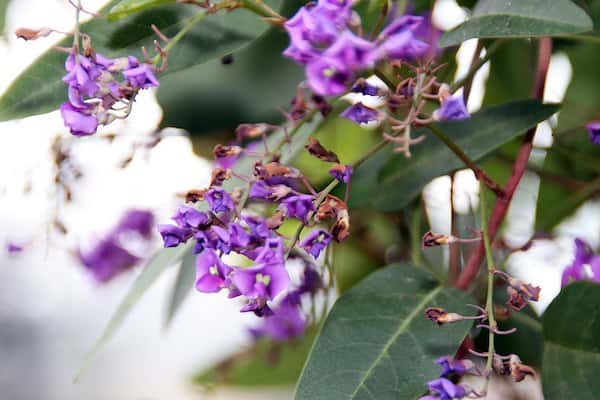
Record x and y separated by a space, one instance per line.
211 272
219 200
452 366
13 248
139 221
284 323
238 236
584 255
328 76
446 389
263 281
316 241
352 51
141 77
593 129
398 40
79 121
361 114
452 108
299 206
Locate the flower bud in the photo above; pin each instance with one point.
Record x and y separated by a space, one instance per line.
317 150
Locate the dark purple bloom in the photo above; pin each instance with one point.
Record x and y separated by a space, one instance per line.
219 200
361 114
452 366
365 88
258 227
141 77
584 255
341 172
452 108
594 131
173 235
211 272
352 51
219 239
80 121
316 241
398 40
328 76
298 206
311 281
310 30
238 236
285 323
446 390
202 242
189 217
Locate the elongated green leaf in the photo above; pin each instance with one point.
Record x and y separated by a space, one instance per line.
265 364
572 344
149 275
522 18
402 179
184 284
3 7
128 7
39 88
377 344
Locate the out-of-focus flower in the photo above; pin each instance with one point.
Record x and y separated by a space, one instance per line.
584 256
452 108
593 129
316 241
341 172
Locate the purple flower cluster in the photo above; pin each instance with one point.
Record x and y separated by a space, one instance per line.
321 38
111 255
584 256
226 226
452 108
96 84
443 388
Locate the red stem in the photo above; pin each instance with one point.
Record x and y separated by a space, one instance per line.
501 207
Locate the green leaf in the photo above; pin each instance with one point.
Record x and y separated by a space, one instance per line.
266 364
150 274
377 344
572 344
184 284
128 7
3 7
518 19
402 179
40 89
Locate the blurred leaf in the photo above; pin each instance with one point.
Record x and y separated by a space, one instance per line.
365 178
265 364
376 343
150 274
572 344
40 89
370 12
3 7
402 179
522 18
183 285
128 7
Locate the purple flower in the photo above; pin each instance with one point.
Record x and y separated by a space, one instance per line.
286 322
262 190
341 172
263 281
211 272
258 227
328 76
173 235
310 30
365 88
361 114
219 200
238 236
315 242
107 259
594 131
452 366
398 40
452 108
352 51
13 248
79 120
298 206
189 217
446 390
81 75
584 255
141 77
110 256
